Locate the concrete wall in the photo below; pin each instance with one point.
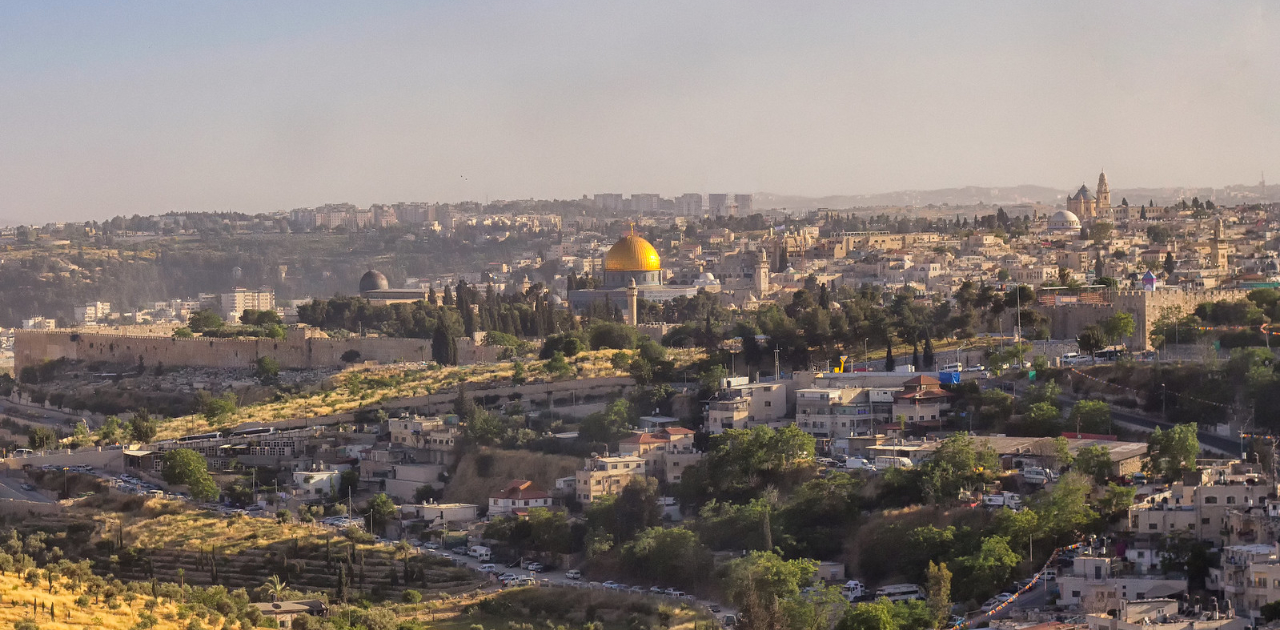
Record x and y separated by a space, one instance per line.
22 509
299 350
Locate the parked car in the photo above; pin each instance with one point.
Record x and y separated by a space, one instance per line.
675 593
536 567
657 590
611 585
459 551
488 568
992 603
573 574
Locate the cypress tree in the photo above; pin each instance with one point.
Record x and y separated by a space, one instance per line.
929 360
889 363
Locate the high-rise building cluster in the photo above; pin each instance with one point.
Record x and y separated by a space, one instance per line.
686 205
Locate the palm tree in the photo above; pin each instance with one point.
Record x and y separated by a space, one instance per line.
275 586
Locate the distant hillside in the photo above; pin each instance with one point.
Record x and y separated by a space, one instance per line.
975 195
966 196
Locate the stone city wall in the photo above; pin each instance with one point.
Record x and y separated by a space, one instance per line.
1067 320
297 351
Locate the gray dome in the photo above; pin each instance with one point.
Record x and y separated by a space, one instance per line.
373 281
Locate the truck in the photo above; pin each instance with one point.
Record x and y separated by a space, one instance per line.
852 590
884 462
480 552
1003 499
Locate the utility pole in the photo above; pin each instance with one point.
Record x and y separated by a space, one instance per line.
777 373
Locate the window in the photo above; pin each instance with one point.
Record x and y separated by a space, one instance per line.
768 403
1075 593
1209 500
1152 526
1231 499
1204 521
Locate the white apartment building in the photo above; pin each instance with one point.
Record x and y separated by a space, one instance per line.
92 312
745 406
240 299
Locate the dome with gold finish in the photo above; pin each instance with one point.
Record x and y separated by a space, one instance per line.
632 253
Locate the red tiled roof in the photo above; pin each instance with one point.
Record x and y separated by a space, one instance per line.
520 489
677 431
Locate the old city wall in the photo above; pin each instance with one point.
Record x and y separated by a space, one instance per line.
1067 320
294 352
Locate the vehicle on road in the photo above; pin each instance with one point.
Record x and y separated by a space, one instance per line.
885 463
488 568
900 592
459 550
852 590
536 567
992 603
671 592
730 620
611 585
28 487
573 574
480 552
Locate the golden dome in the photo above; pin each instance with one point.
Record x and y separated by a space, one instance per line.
632 253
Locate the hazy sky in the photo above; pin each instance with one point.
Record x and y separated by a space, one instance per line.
147 107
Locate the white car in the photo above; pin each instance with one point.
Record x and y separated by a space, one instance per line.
992 603
573 574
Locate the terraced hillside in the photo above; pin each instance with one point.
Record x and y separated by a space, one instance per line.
204 548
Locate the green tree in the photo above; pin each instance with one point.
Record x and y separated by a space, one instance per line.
762 585
204 319
1091 416
218 409
1173 451
1092 339
41 438
610 425
668 556
557 366
183 332
1063 508
1118 326
184 466
1115 502
380 509
938 589
959 462
141 427
1041 420
989 569
267 370
1095 462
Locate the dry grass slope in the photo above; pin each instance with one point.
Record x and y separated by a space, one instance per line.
15 605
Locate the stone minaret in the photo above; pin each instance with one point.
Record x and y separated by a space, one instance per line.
1104 195
632 311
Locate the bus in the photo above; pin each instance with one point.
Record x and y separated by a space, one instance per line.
248 432
203 436
1109 354
900 592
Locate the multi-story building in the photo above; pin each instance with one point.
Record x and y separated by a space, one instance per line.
1201 505
609 201
239 299
601 476
1164 614
645 203
689 205
1248 576
92 312
744 204
433 436
717 204
518 498
922 400
666 452
1101 582
746 406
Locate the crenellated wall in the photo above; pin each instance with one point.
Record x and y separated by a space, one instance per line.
1067 320
300 349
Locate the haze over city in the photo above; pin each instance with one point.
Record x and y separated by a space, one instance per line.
150 107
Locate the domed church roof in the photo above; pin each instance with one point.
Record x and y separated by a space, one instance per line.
632 253
1083 193
373 281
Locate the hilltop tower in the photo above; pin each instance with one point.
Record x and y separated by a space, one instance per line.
1104 195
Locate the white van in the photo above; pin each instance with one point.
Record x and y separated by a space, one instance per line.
900 592
480 552
1071 358
951 367
885 463
856 463
852 590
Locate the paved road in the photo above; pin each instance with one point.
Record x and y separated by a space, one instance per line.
557 578
11 488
